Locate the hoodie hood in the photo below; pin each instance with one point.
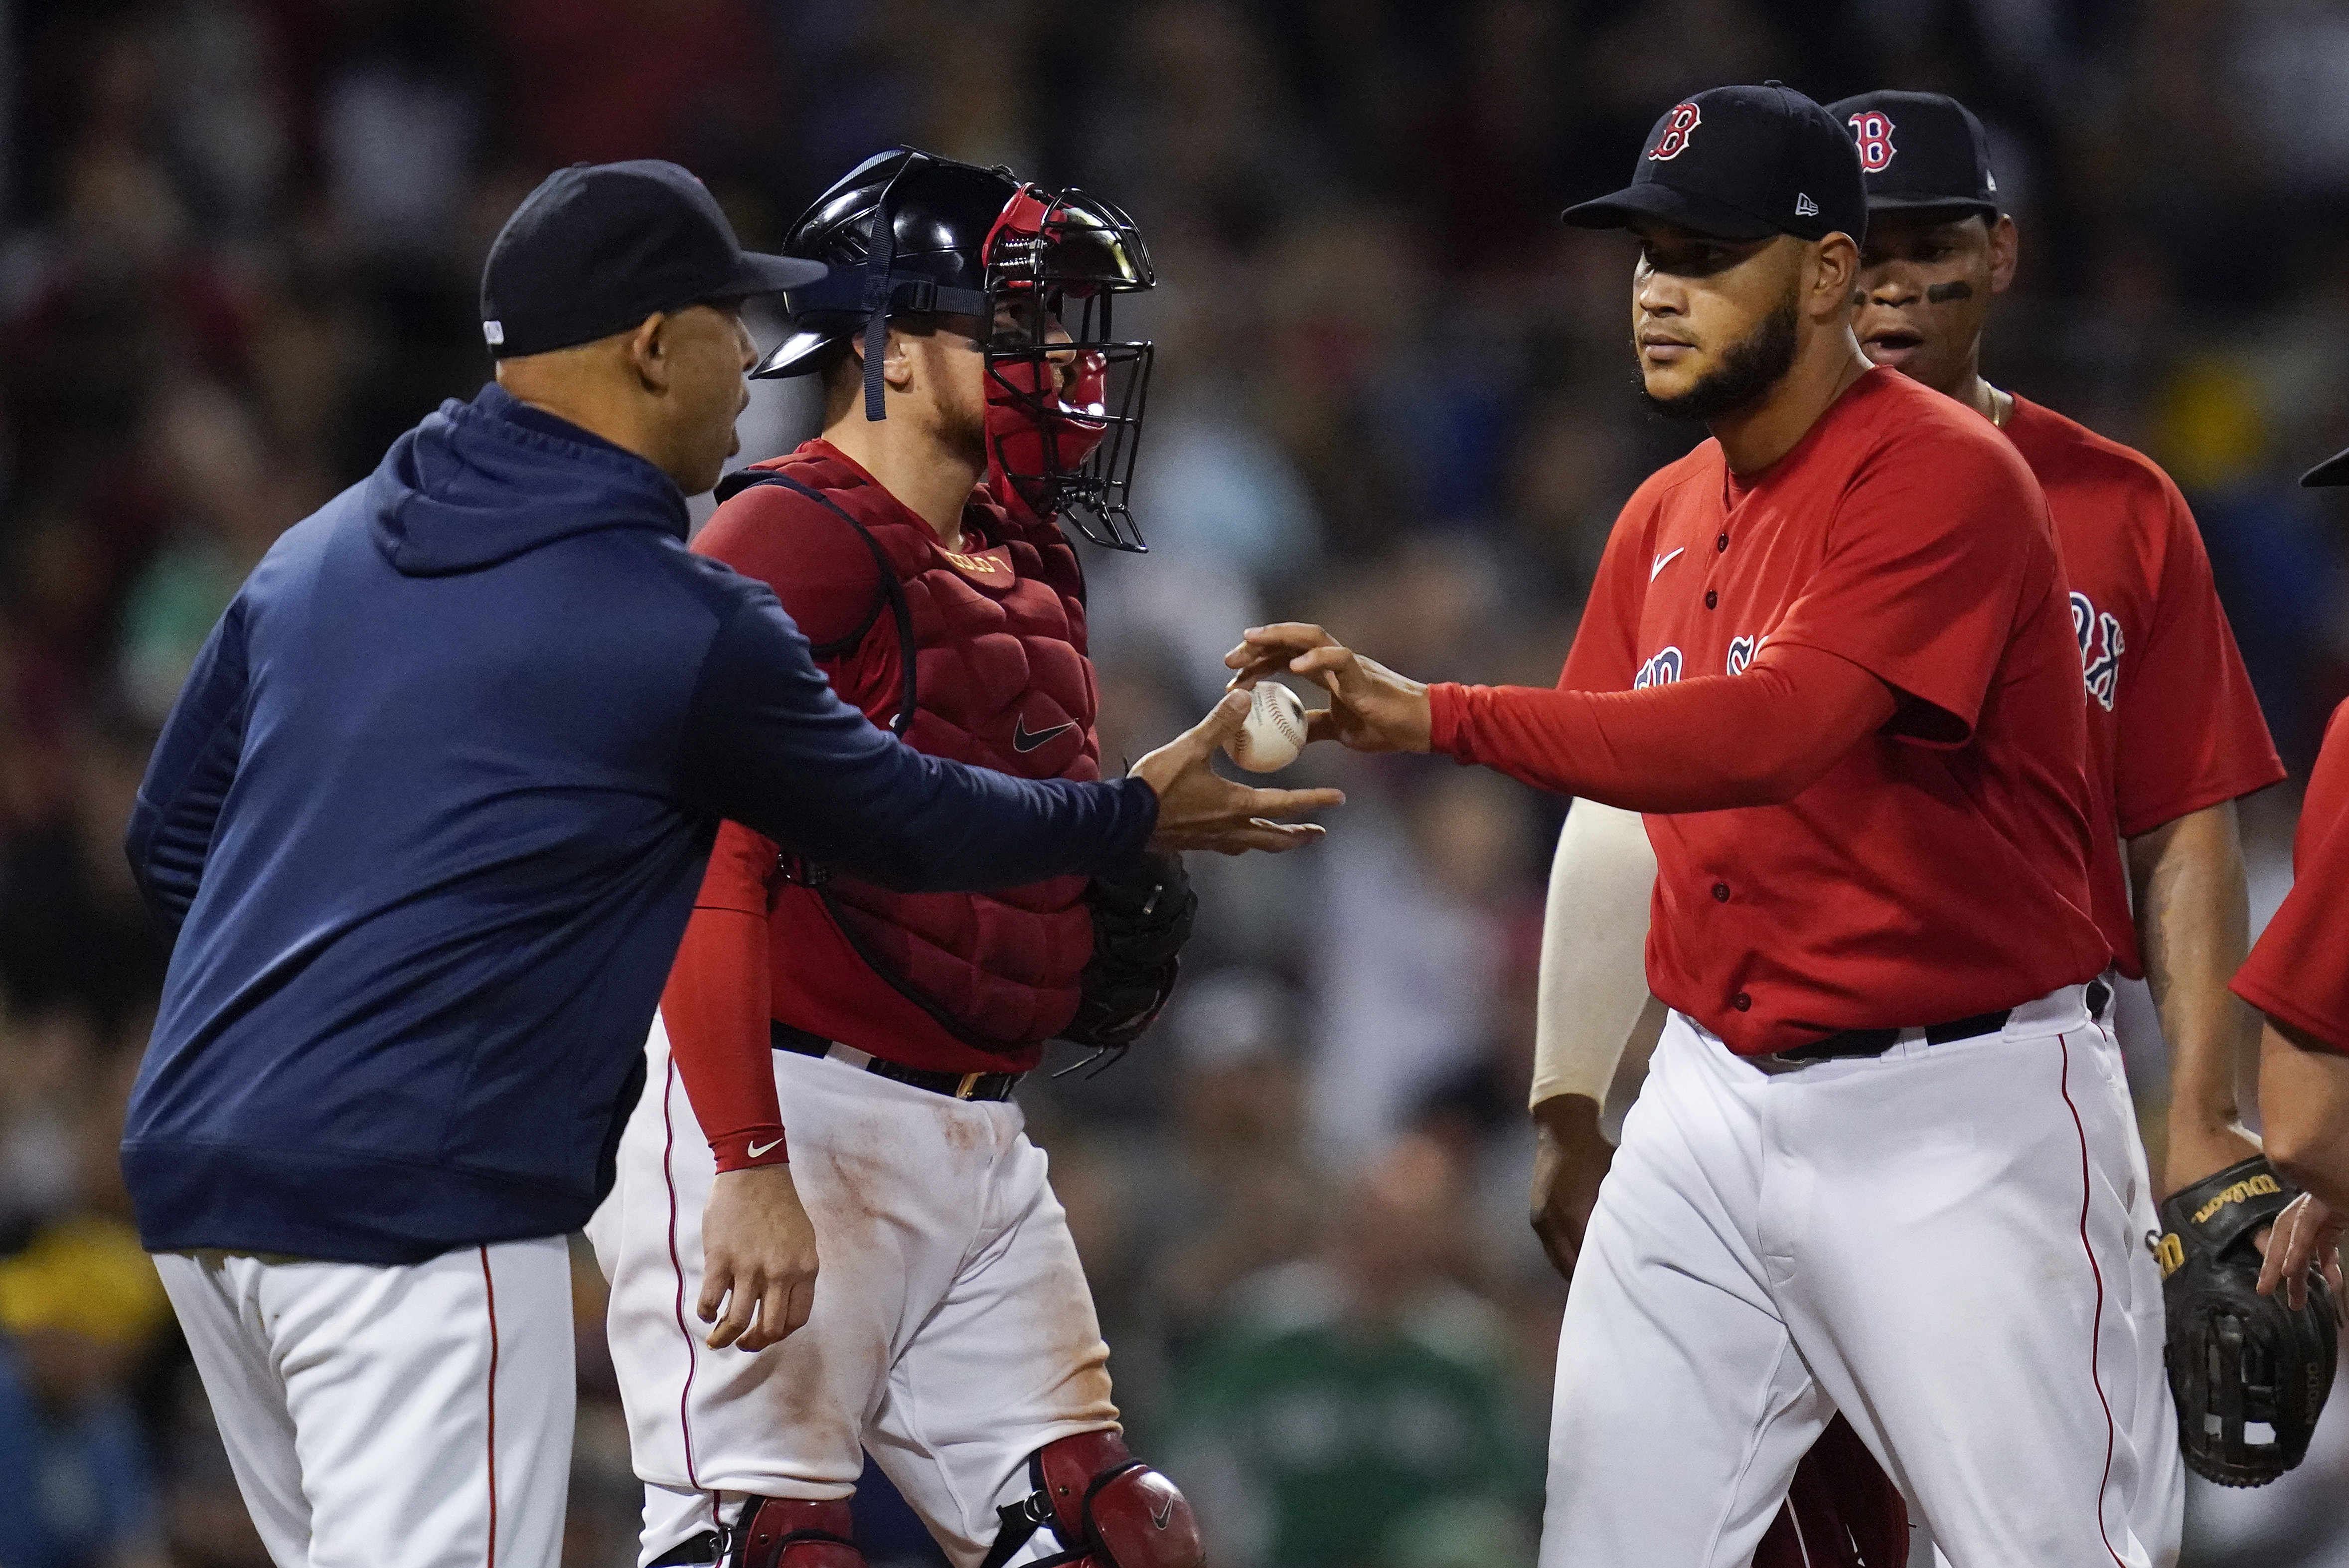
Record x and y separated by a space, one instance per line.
481 482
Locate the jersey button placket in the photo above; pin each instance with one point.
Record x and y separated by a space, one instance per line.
1712 599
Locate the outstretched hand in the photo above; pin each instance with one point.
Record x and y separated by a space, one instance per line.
1372 709
2306 1232
1199 808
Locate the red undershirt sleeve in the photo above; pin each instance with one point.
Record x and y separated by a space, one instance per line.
717 1006
1758 738
2297 973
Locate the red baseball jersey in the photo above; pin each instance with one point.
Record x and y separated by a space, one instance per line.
1941 869
2172 723
2299 970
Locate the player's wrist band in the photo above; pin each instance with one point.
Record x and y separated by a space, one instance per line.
750 1147
954 1086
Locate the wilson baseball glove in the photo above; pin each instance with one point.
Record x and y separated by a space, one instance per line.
2249 1372
1141 918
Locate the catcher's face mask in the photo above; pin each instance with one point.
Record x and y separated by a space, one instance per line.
1065 395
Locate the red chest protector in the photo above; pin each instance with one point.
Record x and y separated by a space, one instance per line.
978 656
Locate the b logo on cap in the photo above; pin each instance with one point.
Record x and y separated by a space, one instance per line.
1678 126
1872 129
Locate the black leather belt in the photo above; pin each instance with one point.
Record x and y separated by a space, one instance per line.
1876 1042
2099 997
954 1086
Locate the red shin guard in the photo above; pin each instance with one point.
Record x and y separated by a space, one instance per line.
1108 1509
791 1533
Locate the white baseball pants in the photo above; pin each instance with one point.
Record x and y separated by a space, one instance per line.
2158 1505
1941 1243
952 1335
407 1416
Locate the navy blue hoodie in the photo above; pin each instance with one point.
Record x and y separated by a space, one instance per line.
429 817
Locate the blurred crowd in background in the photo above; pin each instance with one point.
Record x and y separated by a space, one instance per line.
239 242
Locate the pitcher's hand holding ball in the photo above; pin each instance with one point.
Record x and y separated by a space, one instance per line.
1372 709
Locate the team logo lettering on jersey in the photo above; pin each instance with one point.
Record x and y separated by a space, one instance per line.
1661 670
1741 654
1678 126
1872 129
2101 646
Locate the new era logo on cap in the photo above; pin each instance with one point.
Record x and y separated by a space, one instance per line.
493 332
1805 207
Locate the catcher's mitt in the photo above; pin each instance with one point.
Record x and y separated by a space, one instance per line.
2250 1373
1141 918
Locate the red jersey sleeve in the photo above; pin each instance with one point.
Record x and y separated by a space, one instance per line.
717 1004
1704 745
2191 733
1604 657
2299 970
1928 557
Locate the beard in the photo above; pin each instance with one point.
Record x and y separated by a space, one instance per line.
1752 366
962 428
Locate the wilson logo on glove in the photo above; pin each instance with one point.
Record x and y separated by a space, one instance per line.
2258 1186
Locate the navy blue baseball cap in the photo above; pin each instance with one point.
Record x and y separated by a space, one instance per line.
598 247
1920 151
1742 163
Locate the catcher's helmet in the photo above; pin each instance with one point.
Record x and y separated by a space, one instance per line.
909 232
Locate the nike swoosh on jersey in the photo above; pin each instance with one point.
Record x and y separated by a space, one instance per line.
1023 742
756 1149
1663 562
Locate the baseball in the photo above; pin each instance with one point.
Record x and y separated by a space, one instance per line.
1274 733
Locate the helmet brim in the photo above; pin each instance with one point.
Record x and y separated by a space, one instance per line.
801 353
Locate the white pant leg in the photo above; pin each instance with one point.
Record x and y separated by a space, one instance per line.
909 1192
1947 1229
2142 1404
2157 1502
1681 1406
415 1416
1011 1359
213 1295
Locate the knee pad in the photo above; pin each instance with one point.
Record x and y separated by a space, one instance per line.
792 1533
1106 1508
